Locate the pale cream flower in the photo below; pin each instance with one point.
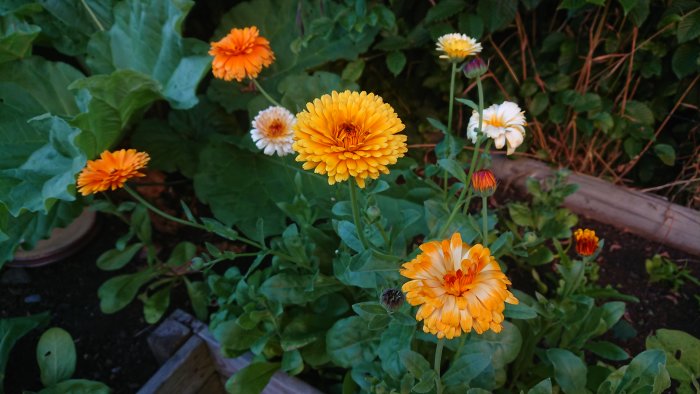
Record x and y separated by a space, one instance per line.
457 46
505 123
272 131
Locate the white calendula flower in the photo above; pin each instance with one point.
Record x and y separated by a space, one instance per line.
457 46
272 131
505 123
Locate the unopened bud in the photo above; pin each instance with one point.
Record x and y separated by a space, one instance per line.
373 212
484 182
392 299
475 68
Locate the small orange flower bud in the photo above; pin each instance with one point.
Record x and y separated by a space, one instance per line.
586 242
484 182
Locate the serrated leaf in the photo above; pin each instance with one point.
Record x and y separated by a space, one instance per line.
146 37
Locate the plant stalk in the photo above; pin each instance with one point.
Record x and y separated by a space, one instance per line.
436 364
265 94
356 213
485 225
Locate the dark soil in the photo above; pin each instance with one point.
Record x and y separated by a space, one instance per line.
111 348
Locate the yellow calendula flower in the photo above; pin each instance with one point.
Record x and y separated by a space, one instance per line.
459 288
111 170
586 242
349 134
457 46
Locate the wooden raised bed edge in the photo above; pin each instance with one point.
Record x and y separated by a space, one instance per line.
192 362
640 213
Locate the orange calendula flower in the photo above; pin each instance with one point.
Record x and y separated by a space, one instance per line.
349 134
458 287
484 182
242 53
111 170
586 242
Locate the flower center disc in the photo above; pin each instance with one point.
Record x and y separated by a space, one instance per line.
275 129
458 283
349 135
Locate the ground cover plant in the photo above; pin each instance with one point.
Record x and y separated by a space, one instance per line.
326 231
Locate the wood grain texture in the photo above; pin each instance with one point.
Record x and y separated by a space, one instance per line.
167 338
186 372
640 213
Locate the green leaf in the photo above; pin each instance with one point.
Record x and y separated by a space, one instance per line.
350 342
289 288
689 26
266 182
414 362
348 233
454 168
539 103
521 214
628 5
444 9
684 61
465 369
471 25
503 347
353 70
77 386
112 102
155 306
299 89
569 371
395 62
146 37
48 174
235 339
11 330
182 254
646 373
639 112
199 296
115 259
292 362
468 103
118 292
251 379
682 353
665 153
497 14
543 387
395 339
607 350
56 356
16 37
519 311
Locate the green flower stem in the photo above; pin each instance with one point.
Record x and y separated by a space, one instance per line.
449 115
356 213
93 16
438 359
472 167
485 225
264 93
240 238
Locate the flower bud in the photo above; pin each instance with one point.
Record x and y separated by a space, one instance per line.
586 242
392 299
373 212
530 237
484 182
475 68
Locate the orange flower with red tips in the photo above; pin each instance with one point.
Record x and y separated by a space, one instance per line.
111 170
484 182
242 53
586 242
459 288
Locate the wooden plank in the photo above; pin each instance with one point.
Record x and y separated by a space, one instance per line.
643 214
280 383
167 338
185 372
213 385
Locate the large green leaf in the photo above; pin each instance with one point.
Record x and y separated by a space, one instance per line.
251 379
682 355
176 144
146 37
55 354
16 37
112 101
646 373
290 288
569 370
242 197
11 330
324 40
48 173
30 227
349 342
